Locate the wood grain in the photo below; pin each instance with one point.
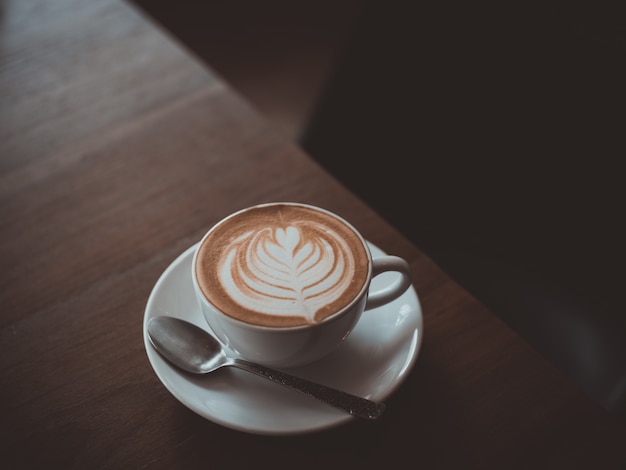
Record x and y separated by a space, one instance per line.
118 150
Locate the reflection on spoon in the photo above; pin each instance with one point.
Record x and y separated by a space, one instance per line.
195 350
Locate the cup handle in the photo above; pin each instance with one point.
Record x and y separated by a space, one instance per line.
383 264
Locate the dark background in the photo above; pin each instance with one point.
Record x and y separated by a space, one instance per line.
493 136
489 129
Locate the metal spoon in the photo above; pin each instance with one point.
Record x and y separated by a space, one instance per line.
195 350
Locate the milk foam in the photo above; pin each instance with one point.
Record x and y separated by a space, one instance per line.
292 271
282 265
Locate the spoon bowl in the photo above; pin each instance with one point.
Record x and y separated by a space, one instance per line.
186 345
195 350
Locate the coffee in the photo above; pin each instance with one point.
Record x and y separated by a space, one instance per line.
282 265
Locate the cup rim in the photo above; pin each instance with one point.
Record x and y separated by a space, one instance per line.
331 318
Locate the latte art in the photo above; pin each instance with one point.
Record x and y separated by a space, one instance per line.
282 265
287 271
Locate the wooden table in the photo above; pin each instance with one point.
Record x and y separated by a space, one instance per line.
118 150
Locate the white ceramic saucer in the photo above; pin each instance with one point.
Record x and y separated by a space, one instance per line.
372 363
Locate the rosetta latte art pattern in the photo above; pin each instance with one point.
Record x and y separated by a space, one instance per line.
287 271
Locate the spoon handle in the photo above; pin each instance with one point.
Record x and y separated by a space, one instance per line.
356 406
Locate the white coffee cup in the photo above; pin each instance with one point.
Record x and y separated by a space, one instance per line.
283 284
